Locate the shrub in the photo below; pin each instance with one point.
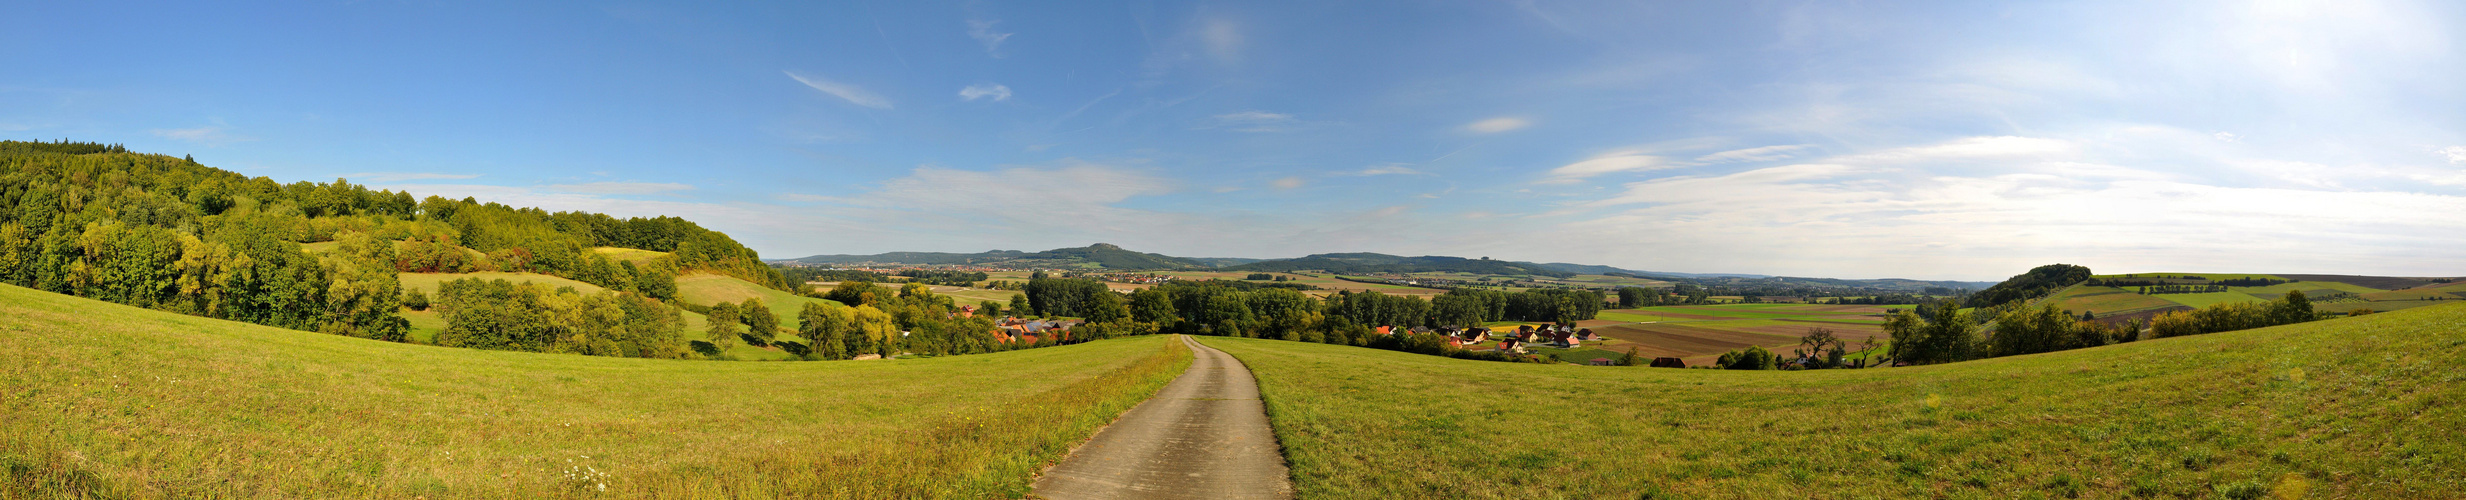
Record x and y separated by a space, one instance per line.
416 300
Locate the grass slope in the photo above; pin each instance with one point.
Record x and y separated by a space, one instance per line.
2362 407
106 400
427 282
710 289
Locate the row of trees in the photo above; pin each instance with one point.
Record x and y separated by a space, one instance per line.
1944 333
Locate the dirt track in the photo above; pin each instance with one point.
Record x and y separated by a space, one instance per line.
1204 436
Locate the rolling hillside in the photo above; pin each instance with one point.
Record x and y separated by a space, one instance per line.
712 289
105 400
1097 256
2361 407
1369 263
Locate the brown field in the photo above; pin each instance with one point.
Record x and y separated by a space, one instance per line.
1683 341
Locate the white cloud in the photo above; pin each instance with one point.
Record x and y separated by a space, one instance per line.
982 31
1766 153
1623 161
1287 183
366 177
2227 137
851 93
620 187
1256 121
1496 125
995 91
2456 154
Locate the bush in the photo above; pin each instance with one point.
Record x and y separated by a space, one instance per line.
1753 358
416 300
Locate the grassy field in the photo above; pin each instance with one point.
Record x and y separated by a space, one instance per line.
103 400
427 282
2207 299
636 256
2107 301
2364 407
709 289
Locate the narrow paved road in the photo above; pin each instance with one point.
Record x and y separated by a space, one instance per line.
1204 436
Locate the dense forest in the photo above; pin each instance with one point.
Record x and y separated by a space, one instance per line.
156 231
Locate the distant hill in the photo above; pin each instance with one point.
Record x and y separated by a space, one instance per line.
1100 255
1108 256
1367 263
1222 261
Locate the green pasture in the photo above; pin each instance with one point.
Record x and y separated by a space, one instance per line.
106 401
711 289
2207 299
2363 407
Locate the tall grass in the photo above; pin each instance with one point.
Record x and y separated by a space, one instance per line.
103 400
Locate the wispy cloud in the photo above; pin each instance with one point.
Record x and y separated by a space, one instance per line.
1287 183
1256 121
982 31
1622 161
1496 125
620 187
1387 169
851 93
404 176
2456 154
994 91
1223 39
212 136
1766 153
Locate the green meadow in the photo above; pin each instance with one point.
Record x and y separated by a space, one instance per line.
2364 407
104 400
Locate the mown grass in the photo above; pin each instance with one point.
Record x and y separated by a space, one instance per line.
106 400
2366 407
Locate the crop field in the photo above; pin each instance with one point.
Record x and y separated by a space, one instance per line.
1699 334
427 282
2206 276
104 400
2363 407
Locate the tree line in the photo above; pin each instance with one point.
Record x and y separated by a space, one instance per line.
1944 333
1257 310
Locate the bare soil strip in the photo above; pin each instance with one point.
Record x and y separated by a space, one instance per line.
1204 436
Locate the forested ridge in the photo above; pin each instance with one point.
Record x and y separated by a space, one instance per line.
94 220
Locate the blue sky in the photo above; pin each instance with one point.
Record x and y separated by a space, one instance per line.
1961 140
